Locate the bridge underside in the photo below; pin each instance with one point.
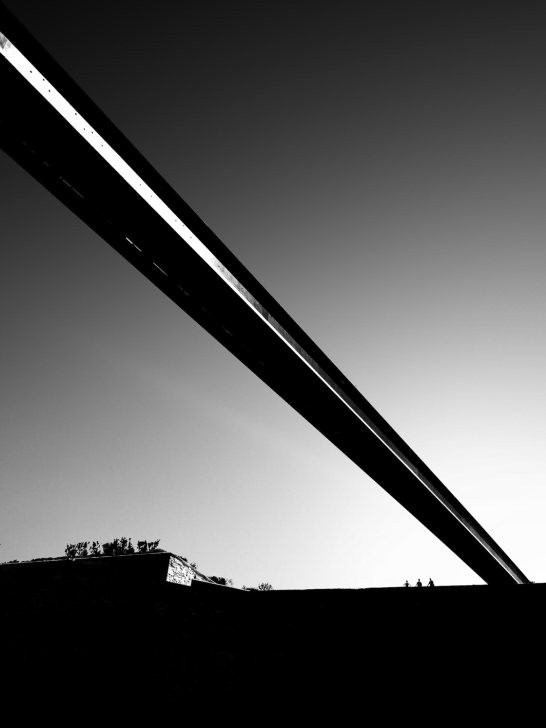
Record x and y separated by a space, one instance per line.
217 291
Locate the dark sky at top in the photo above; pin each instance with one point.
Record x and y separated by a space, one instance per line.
381 169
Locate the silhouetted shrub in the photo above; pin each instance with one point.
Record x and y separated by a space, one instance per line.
76 550
117 547
264 586
146 546
71 550
81 549
123 546
108 548
221 580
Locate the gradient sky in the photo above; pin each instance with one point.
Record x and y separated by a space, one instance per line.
381 169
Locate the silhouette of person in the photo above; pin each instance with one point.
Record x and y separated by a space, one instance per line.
406 583
419 583
430 582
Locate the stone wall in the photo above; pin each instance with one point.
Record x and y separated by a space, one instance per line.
179 572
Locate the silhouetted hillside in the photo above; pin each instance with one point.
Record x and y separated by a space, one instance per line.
115 622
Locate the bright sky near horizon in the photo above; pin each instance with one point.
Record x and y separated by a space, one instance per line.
382 173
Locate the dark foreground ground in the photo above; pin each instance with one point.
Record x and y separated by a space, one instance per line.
85 636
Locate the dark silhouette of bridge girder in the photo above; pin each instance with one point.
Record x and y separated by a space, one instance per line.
54 131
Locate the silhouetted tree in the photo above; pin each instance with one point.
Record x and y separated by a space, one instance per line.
264 586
